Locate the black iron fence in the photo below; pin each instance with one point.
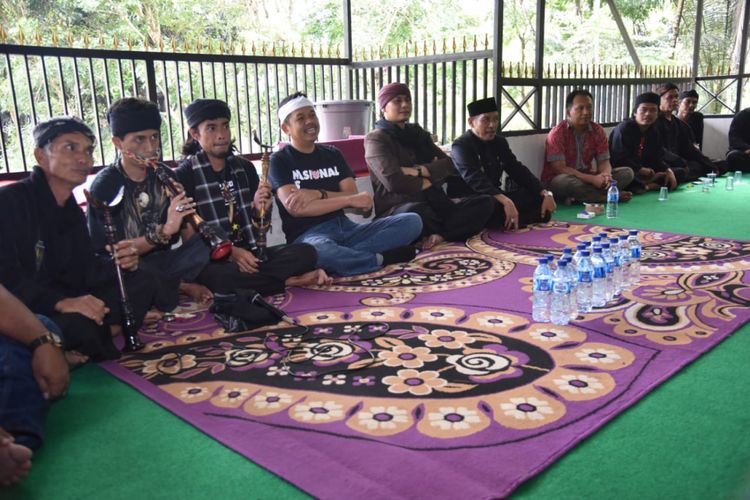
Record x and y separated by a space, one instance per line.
39 82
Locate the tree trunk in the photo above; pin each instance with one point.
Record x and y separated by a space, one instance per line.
676 27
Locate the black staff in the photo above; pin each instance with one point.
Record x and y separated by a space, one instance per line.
129 330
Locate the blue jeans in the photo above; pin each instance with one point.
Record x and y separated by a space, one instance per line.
347 248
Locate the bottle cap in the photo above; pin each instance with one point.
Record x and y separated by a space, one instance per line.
585 253
633 232
581 246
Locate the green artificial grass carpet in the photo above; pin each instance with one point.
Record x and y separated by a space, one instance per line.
688 439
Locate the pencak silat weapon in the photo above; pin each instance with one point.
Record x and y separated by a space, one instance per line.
261 219
129 330
220 248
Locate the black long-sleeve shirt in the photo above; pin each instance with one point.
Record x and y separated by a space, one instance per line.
739 131
481 165
629 147
46 254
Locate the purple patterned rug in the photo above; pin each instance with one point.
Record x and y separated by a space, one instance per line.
430 379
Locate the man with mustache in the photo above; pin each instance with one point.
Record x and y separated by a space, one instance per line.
146 213
227 190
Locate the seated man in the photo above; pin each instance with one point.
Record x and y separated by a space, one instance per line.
407 171
570 150
226 190
46 256
636 143
481 156
146 214
314 184
738 157
687 113
680 153
33 372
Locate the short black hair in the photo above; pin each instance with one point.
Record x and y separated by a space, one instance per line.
571 97
289 98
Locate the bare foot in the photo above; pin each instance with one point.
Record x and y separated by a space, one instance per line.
626 196
432 241
199 293
15 460
75 358
153 316
317 277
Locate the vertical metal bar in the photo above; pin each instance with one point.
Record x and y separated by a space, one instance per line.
257 102
167 105
453 100
330 81
286 79
314 84
203 83
247 106
304 79
213 79
424 95
444 88
296 82
122 82
153 94
539 62
190 81
95 104
743 56
416 92
486 63
46 87
268 101
183 135
106 83
340 80
31 88
224 81
78 88
497 54
62 84
434 98
135 78
238 117
278 97
348 55
18 118
474 80
463 97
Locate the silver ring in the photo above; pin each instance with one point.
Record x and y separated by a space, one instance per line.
180 208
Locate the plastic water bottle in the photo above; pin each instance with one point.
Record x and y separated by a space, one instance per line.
560 308
573 285
567 252
596 242
551 264
635 257
613 198
609 265
579 251
584 288
625 261
598 289
540 309
614 245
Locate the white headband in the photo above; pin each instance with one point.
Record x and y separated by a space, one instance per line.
293 105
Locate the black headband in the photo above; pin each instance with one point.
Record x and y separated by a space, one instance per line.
201 110
46 132
123 122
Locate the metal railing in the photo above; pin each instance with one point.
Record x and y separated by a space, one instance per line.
45 81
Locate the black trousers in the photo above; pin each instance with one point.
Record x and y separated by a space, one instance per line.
738 160
453 220
85 336
529 206
283 262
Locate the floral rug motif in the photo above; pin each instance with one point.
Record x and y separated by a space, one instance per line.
451 389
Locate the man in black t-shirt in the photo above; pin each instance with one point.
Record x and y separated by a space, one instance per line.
146 214
226 189
738 156
313 186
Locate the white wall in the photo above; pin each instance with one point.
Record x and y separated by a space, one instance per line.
716 136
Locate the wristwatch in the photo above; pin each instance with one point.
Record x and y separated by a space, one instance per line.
45 338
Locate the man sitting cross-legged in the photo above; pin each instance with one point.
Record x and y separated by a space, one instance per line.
33 373
314 184
636 143
146 214
577 165
482 155
227 190
46 256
